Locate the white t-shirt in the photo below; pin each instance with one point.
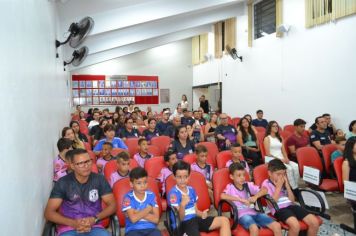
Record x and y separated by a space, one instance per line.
184 104
92 123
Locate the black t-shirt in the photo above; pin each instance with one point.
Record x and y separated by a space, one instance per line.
99 134
187 121
170 131
83 137
324 138
126 134
182 151
94 129
328 128
205 106
80 200
162 127
149 134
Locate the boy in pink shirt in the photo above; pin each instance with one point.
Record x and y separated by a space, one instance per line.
60 165
123 166
143 154
236 152
201 166
170 157
278 187
106 156
244 195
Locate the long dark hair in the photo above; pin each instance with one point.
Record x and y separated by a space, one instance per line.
178 128
269 127
348 152
249 130
351 124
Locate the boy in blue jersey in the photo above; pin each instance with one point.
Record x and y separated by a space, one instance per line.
140 207
184 198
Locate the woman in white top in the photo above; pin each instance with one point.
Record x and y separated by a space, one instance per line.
184 103
274 147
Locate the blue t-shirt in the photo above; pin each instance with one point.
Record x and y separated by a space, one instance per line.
116 143
132 202
182 151
260 123
129 134
149 134
174 198
163 126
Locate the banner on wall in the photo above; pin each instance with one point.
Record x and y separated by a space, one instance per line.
94 90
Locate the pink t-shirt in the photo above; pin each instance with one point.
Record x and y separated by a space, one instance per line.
101 161
244 163
232 190
141 160
165 172
60 168
116 176
207 171
283 200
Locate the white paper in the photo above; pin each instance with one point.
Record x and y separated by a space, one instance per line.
311 175
350 190
268 159
311 200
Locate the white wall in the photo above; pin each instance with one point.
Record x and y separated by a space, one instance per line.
34 103
171 63
304 74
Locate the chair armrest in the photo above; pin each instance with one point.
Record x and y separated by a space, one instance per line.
271 201
315 210
49 229
115 230
234 211
172 230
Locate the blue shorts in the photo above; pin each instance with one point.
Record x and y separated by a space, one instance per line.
261 220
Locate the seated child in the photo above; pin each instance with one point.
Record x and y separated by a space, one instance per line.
236 152
184 198
339 133
201 166
105 157
240 193
279 189
140 207
340 141
123 166
60 164
170 158
143 154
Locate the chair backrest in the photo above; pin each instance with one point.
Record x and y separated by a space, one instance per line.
260 138
212 149
221 178
116 151
308 156
122 187
111 167
285 134
197 181
230 121
141 129
260 173
260 130
87 146
155 151
289 128
94 168
327 150
83 127
132 144
92 156
191 158
154 165
338 172
236 121
162 142
222 158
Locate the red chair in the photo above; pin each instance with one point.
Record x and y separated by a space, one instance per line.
154 150
141 129
132 144
230 121
222 158
308 156
260 138
327 150
116 151
162 142
87 146
111 167
289 128
221 178
236 121
285 134
94 168
75 117
122 187
83 127
92 155
212 149
191 158
338 172
197 181
260 130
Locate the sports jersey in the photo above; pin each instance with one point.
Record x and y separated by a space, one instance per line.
129 134
229 132
243 163
116 176
101 161
182 151
207 171
60 168
165 173
283 200
80 200
148 134
116 143
141 160
243 193
132 202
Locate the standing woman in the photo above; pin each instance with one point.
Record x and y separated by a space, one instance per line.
274 147
248 141
181 144
69 134
184 103
210 127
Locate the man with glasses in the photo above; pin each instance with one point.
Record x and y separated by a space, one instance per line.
297 140
75 203
225 133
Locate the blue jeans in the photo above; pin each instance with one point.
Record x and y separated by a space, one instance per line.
144 232
93 232
261 220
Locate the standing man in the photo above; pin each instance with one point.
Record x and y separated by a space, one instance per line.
204 104
260 122
75 203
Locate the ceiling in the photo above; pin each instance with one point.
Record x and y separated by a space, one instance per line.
123 27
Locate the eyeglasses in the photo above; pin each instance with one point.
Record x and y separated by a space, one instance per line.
83 163
275 126
223 118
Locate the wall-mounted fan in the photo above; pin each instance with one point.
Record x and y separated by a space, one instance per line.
233 53
79 56
78 32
